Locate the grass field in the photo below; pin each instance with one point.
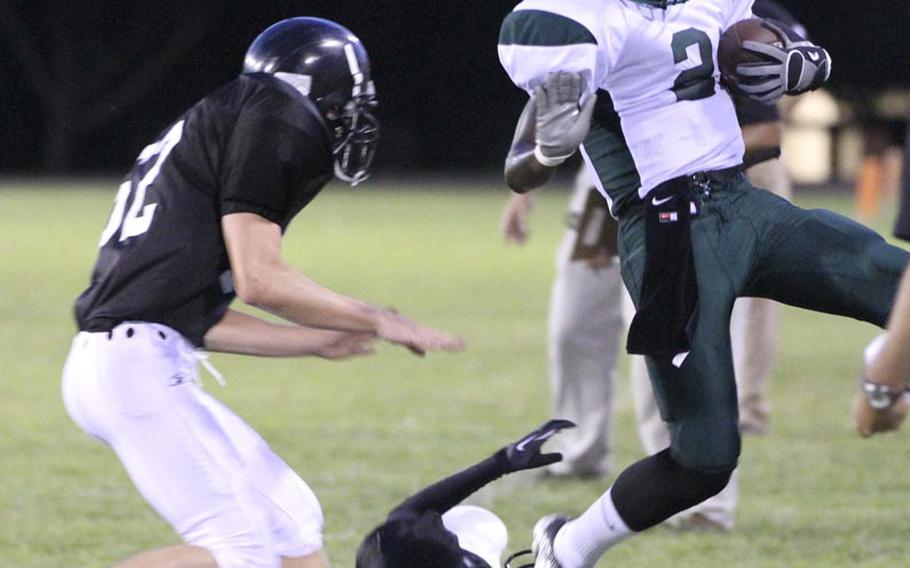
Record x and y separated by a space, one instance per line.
366 433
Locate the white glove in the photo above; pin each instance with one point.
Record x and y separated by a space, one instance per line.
561 124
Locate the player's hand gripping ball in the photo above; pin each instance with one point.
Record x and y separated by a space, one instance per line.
730 51
764 60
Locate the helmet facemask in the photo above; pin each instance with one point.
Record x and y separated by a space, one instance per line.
355 133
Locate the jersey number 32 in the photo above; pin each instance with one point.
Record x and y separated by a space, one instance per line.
139 217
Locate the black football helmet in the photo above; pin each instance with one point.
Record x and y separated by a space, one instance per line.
327 62
421 542
661 3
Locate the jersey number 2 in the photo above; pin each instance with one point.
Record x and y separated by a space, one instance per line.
138 219
697 82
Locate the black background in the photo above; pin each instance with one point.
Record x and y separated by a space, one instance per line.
445 102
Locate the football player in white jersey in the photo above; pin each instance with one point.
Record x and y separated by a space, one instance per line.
636 82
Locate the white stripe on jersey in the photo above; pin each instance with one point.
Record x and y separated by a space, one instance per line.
524 63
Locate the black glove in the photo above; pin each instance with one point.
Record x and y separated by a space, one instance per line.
797 67
525 453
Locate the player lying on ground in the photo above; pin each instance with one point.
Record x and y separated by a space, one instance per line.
636 82
198 221
429 530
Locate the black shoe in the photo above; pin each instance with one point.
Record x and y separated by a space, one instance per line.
544 534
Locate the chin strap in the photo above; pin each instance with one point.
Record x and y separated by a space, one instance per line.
353 180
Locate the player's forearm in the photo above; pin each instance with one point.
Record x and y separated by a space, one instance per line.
288 294
523 172
248 335
445 494
762 135
892 365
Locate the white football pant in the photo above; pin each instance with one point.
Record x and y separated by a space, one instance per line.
201 467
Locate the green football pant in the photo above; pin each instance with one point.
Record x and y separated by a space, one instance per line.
749 242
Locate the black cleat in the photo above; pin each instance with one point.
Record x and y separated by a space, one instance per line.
544 534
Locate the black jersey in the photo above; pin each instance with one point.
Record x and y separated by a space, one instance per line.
414 529
256 145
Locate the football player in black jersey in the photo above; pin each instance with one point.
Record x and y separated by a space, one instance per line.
198 221
431 530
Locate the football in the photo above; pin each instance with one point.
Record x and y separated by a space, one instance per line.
730 52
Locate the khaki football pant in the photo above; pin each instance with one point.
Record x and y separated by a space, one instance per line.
585 326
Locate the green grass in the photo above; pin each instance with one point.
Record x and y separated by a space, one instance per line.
365 434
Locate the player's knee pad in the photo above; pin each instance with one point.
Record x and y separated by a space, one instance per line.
884 264
707 450
886 257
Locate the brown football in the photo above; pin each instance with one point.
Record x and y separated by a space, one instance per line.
730 52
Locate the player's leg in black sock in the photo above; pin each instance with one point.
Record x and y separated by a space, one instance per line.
656 488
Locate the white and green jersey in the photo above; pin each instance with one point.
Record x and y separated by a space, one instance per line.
656 68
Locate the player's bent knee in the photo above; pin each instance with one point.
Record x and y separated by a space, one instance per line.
707 451
887 258
884 264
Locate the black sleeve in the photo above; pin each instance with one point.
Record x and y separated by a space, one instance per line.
773 10
749 111
445 494
267 160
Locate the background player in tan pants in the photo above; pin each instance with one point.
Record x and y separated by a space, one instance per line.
585 325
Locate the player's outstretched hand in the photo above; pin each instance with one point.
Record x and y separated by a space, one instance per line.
514 222
870 421
346 344
561 123
418 338
525 453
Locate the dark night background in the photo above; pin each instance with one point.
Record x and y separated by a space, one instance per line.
114 73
